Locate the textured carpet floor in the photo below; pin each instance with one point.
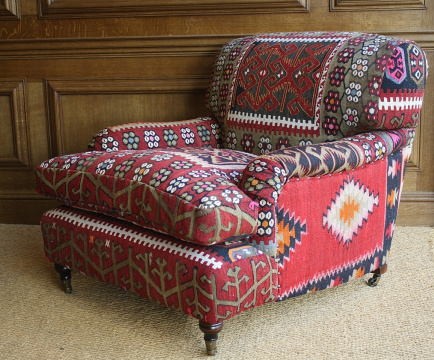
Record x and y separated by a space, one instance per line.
395 320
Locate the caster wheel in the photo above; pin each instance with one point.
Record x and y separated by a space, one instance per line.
373 281
66 285
65 277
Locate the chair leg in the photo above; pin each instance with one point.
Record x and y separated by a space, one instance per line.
65 277
211 335
375 279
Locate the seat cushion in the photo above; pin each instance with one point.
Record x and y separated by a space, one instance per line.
189 193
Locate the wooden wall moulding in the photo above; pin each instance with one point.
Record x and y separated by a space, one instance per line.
369 5
148 46
61 124
15 146
118 8
121 47
10 10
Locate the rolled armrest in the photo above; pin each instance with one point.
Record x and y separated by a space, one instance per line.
200 132
265 176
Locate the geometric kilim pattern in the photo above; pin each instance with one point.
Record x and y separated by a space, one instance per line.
279 82
292 186
289 232
264 177
204 282
395 176
199 132
332 229
273 91
190 193
349 210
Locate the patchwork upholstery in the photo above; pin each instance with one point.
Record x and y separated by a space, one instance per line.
189 193
345 233
291 186
272 91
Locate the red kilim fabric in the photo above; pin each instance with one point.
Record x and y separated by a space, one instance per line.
189 193
210 283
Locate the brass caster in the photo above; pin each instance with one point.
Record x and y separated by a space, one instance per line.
211 335
66 284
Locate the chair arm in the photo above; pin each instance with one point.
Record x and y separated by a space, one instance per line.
265 176
199 132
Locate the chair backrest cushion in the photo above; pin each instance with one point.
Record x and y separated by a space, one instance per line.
273 91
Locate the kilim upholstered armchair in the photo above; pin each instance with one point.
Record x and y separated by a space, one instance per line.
292 184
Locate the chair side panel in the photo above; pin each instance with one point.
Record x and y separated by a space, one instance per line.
338 227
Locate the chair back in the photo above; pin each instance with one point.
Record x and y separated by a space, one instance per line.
272 91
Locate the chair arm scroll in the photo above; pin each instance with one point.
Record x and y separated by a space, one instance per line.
265 176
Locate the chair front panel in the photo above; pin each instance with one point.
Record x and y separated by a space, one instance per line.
210 283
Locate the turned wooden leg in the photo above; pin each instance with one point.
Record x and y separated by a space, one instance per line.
65 277
211 332
375 279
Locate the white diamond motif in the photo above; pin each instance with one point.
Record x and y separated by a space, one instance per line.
349 211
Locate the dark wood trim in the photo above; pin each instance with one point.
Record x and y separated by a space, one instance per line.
55 9
150 46
416 209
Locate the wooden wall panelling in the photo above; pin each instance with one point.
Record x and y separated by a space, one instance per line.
19 202
79 108
366 5
81 59
117 8
14 151
10 10
417 201
174 46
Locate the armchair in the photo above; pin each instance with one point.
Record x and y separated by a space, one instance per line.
292 185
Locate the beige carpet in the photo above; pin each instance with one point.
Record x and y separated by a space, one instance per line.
395 320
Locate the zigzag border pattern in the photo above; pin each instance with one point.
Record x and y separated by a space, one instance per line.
133 236
304 287
401 101
269 120
311 37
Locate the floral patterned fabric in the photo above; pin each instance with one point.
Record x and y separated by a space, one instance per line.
272 91
200 132
190 193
